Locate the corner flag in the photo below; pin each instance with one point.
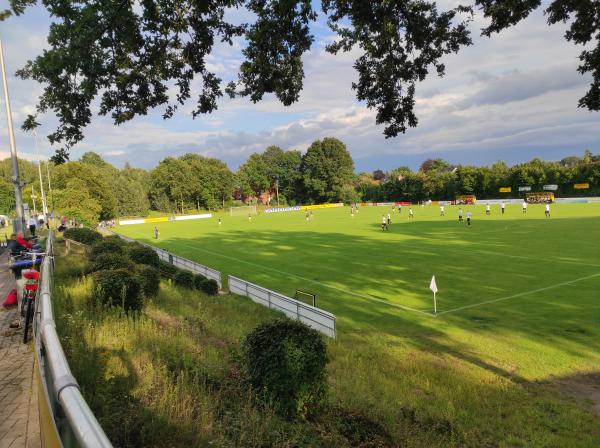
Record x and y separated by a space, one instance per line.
434 288
432 285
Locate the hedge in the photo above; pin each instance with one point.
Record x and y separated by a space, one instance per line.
149 278
82 235
118 287
184 278
108 261
106 246
144 255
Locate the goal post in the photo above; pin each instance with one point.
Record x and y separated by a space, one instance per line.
306 297
243 210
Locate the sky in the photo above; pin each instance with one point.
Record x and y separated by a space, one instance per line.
511 97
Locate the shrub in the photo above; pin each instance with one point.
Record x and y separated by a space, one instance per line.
106 246
118 287
144 255
117 240
82 235
210 286
184 278
199 280
167 269
149 278
106 261
284 362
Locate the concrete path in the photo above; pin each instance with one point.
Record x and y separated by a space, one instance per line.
19 419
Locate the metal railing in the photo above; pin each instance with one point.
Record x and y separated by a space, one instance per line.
314 317
71 421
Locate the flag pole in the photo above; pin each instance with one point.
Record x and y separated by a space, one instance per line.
434 304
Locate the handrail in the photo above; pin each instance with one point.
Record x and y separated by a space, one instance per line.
62 389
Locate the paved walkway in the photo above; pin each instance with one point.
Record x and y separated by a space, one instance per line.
19 420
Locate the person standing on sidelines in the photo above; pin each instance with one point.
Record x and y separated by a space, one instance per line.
460 215
31 222
469 217
488 210
524 206
155 232
502 206
442 213
547 211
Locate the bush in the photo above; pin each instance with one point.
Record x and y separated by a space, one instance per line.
184 278
144 255
149 278
117 239
106 246
108 261
82 235
210 286
167 269
284 362
118 287
199 280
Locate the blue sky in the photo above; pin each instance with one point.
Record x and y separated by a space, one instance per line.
511 97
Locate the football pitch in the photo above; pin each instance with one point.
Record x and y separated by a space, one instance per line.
518 300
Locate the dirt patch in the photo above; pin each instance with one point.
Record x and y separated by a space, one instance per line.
162 319
584 389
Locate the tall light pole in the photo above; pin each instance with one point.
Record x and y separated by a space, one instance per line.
18 223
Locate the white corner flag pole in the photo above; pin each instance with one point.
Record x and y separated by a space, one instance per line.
434 288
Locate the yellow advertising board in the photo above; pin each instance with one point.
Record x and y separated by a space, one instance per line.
505 189
159 219
581 186
317 206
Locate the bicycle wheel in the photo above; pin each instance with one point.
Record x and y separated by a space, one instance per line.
28 320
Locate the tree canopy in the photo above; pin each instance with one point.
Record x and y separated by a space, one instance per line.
126 55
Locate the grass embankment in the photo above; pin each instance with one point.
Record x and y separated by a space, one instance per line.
169 377
519 371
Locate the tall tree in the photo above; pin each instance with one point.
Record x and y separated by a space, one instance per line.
253 176
284 167
326 168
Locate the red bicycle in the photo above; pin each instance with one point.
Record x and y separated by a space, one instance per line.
32 279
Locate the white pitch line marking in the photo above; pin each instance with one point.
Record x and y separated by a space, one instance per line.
519 294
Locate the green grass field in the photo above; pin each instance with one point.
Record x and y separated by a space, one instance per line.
512 357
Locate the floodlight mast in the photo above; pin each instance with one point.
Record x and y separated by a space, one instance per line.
18 222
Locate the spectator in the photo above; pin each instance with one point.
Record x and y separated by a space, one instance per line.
31 223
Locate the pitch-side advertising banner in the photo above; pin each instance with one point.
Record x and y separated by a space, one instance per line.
317 206
282 209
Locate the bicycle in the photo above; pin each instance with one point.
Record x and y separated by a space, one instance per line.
19 262
28 302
